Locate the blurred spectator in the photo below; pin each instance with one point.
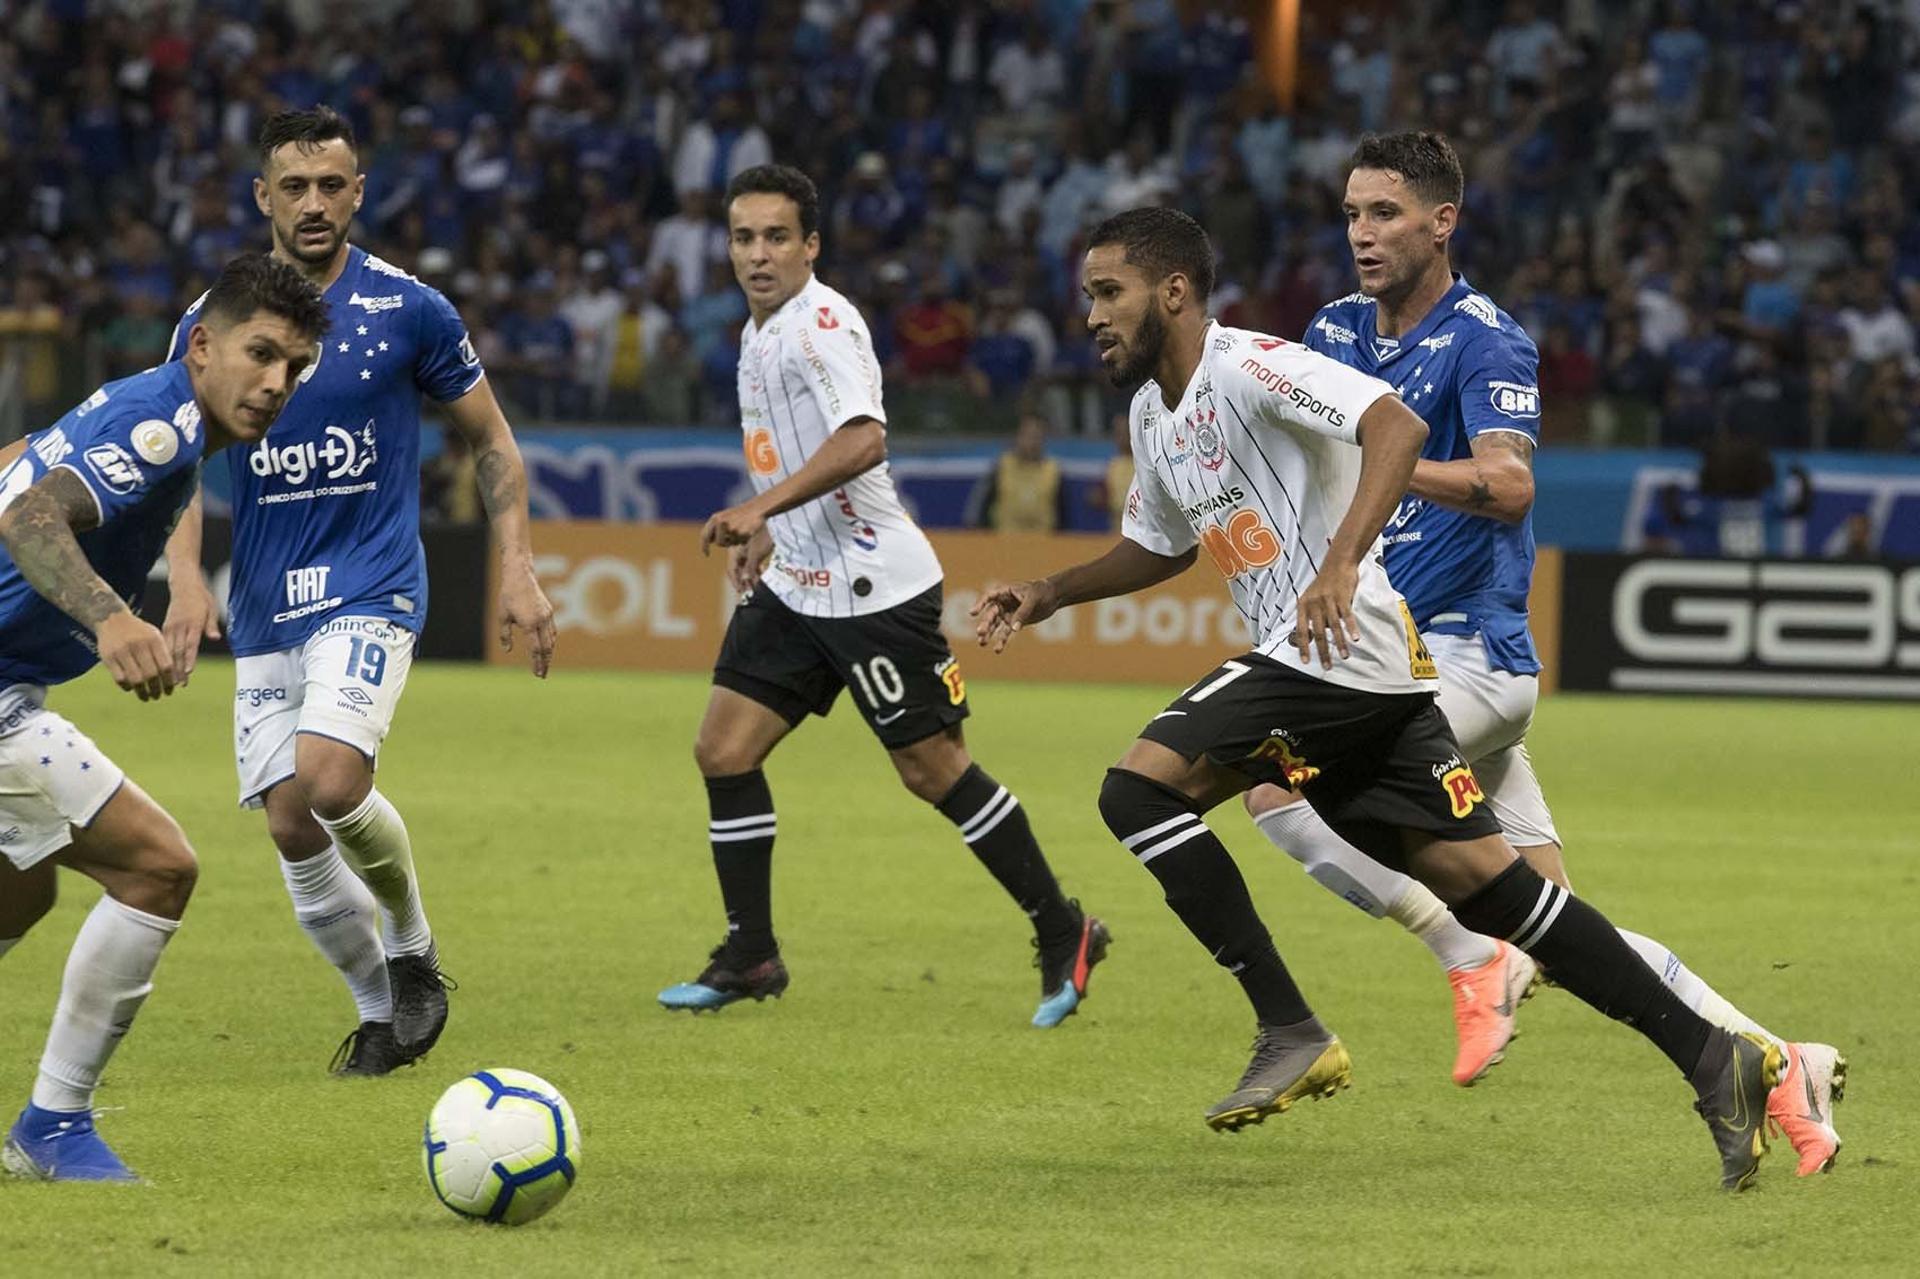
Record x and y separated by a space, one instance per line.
1002 359
688 242
137 338
672 389
1117 483
449 490
1028 75
934 331
592 310
1875 328
1025 492
718 148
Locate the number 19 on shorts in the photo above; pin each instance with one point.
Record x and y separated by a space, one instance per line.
366 660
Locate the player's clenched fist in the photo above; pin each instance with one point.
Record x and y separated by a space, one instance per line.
1002 610
137 655
735 526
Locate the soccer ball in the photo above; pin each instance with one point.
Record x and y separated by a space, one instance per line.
502 1146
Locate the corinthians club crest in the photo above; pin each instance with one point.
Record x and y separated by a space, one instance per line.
1204 422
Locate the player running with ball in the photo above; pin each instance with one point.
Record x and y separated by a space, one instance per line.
85 508
1245 445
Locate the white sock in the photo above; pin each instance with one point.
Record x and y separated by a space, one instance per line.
7 944
339 914
1452 943
1351 875
109 974
1693 992
374 842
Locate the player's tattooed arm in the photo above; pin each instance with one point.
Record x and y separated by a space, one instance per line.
502 478
38 530
1497 481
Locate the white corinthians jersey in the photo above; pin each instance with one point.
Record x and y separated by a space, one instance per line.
805 373
1257 466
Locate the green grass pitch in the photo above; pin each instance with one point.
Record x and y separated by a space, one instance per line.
894 1113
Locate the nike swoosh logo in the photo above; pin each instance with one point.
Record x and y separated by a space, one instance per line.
1738 1121
888 719
1164 714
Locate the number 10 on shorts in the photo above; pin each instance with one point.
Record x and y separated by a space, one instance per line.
367 661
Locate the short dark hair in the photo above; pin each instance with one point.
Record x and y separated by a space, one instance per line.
1161 242
780 179
1425 162
256 282
306 129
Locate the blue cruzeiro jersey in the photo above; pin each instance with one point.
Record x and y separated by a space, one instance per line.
1466 369
326 509
136 444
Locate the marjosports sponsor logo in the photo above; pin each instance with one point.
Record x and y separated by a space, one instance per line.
1282 385
1773 627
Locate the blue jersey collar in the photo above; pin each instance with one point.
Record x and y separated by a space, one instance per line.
1438 315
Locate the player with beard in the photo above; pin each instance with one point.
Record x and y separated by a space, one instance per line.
329 587
1244 444
1460 548
85 507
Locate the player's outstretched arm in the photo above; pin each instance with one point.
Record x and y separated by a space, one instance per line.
1390 437
1128 567
38 532
192 612
856 448
1497 481
502 476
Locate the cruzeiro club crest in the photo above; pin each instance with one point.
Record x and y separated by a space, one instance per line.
1208 444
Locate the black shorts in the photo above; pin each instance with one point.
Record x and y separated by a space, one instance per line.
1371 764
904 678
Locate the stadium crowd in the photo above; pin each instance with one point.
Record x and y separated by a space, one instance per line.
1704 212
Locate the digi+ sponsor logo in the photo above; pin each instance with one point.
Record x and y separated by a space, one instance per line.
339 455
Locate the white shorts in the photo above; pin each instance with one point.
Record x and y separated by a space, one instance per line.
52 778
344 683
1490 712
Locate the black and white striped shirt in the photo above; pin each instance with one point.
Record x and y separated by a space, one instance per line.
804 374
1257 465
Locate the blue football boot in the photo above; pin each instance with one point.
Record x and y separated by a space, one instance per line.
727 979
60 1145
1065 971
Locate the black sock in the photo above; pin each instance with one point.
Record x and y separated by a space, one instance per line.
1575 943
995 828
741 830
1203 885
